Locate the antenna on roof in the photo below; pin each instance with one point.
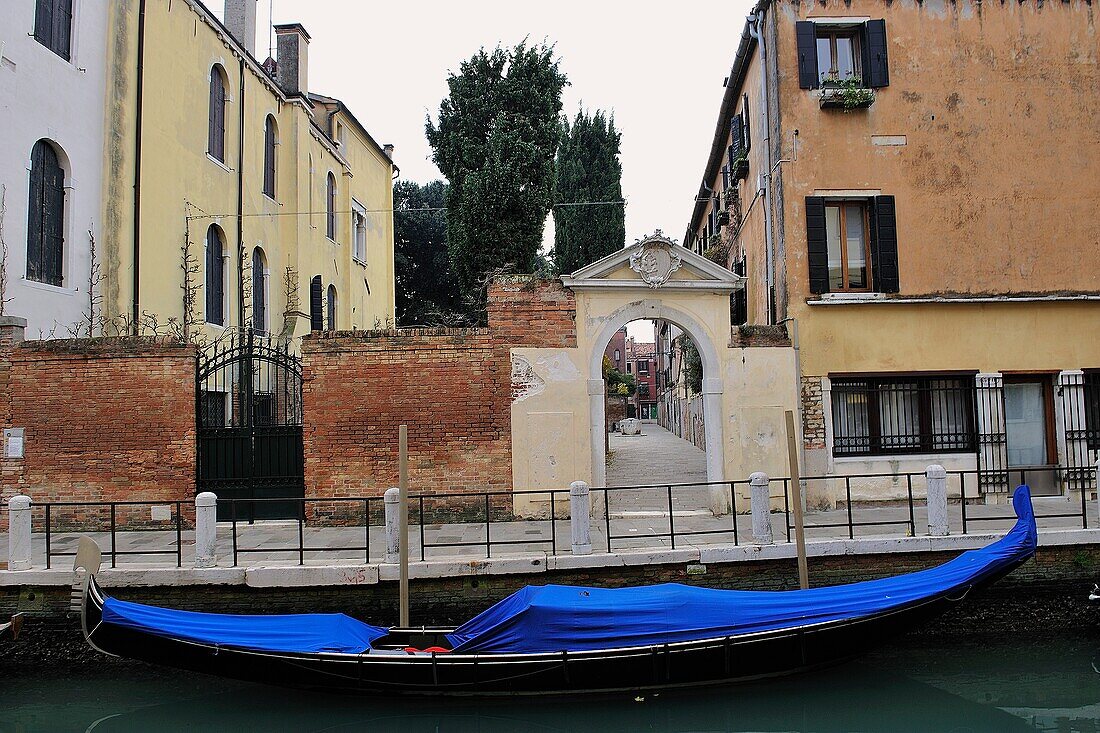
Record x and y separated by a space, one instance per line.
271 29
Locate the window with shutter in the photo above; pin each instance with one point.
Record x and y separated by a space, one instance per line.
53 25
270 141
316 304
259 291
852 244
330 208
46 216
331 308
746 139
215 276
216 134
833 53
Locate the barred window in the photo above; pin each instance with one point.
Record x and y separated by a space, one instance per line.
897 415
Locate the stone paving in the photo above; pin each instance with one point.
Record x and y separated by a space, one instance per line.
341 545
653 457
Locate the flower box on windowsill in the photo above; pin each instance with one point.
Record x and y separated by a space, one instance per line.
846 97
723 218
740 169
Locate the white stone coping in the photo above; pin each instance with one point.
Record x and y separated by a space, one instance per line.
301 576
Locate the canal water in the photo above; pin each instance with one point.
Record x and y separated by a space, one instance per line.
1001 683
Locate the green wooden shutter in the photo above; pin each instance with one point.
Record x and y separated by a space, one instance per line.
876 61
884 246
806 35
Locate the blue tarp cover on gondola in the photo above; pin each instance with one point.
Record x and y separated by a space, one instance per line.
557 618
305 633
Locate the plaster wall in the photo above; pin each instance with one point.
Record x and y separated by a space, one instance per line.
184 190
43 96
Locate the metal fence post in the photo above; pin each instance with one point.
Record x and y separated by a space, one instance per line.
19 533
1096 485
392 501
580 518
761 508
937 500
206 529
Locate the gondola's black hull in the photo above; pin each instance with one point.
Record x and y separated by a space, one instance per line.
714 661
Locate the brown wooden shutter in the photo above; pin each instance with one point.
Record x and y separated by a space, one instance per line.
884 246
269 157
806 35
316 305
817 245
875 58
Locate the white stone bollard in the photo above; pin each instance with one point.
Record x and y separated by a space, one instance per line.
580 518
392 501
19 533
761 508
937 501
206 529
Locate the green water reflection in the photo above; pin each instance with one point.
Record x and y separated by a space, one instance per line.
993 684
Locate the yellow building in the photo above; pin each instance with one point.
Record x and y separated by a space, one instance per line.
234 195
908 187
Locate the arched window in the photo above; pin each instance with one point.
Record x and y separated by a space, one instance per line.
270 140
215 276
216 138
331 307
330 208
53 25
46 216
259 291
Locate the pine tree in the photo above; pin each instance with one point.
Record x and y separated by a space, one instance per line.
495 141
588 170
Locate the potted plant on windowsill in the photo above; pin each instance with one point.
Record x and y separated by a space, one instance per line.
739 169
845 93
723 218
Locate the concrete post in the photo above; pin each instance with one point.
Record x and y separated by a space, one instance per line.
761 508
392 501
579 518
206 529
19 533
937 501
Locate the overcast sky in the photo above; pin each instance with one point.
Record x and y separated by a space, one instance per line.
657 66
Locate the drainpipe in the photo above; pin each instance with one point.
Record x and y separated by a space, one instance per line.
756 22
136 312
240 202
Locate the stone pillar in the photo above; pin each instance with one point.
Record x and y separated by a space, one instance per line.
937 501
720 498
19 533
392 501
580 518
206 529
761 508
12 330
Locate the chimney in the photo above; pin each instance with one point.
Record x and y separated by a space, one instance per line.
240 20
388 148
292 44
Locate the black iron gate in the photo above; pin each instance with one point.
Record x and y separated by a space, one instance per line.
248 392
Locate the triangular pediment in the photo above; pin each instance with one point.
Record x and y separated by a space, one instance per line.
655 262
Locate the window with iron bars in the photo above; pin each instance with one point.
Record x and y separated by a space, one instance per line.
1092 409
903 414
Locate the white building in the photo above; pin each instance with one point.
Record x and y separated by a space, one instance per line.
52 91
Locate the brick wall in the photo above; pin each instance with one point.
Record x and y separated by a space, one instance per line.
104 420
748 336
813 415
527 311
452 387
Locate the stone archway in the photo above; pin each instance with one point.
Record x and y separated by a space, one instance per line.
656 309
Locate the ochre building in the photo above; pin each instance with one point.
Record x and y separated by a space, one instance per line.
235 195
908 188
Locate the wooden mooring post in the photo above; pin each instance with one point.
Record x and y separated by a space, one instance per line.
796 500
403 515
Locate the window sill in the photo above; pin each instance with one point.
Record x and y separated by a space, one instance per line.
846 299
218 163
896 457
271 199
58 289
361 263
331 240
852 297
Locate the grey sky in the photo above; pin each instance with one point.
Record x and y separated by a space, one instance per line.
657 66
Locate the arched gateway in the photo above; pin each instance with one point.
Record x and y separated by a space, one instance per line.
557 414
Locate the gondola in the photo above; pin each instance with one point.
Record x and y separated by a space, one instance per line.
12 626
561 639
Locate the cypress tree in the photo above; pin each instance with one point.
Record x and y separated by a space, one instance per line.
588 170
495 140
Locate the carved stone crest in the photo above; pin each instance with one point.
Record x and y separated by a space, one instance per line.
655 259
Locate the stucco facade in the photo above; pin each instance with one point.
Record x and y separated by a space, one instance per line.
47 97
970 146
183 189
